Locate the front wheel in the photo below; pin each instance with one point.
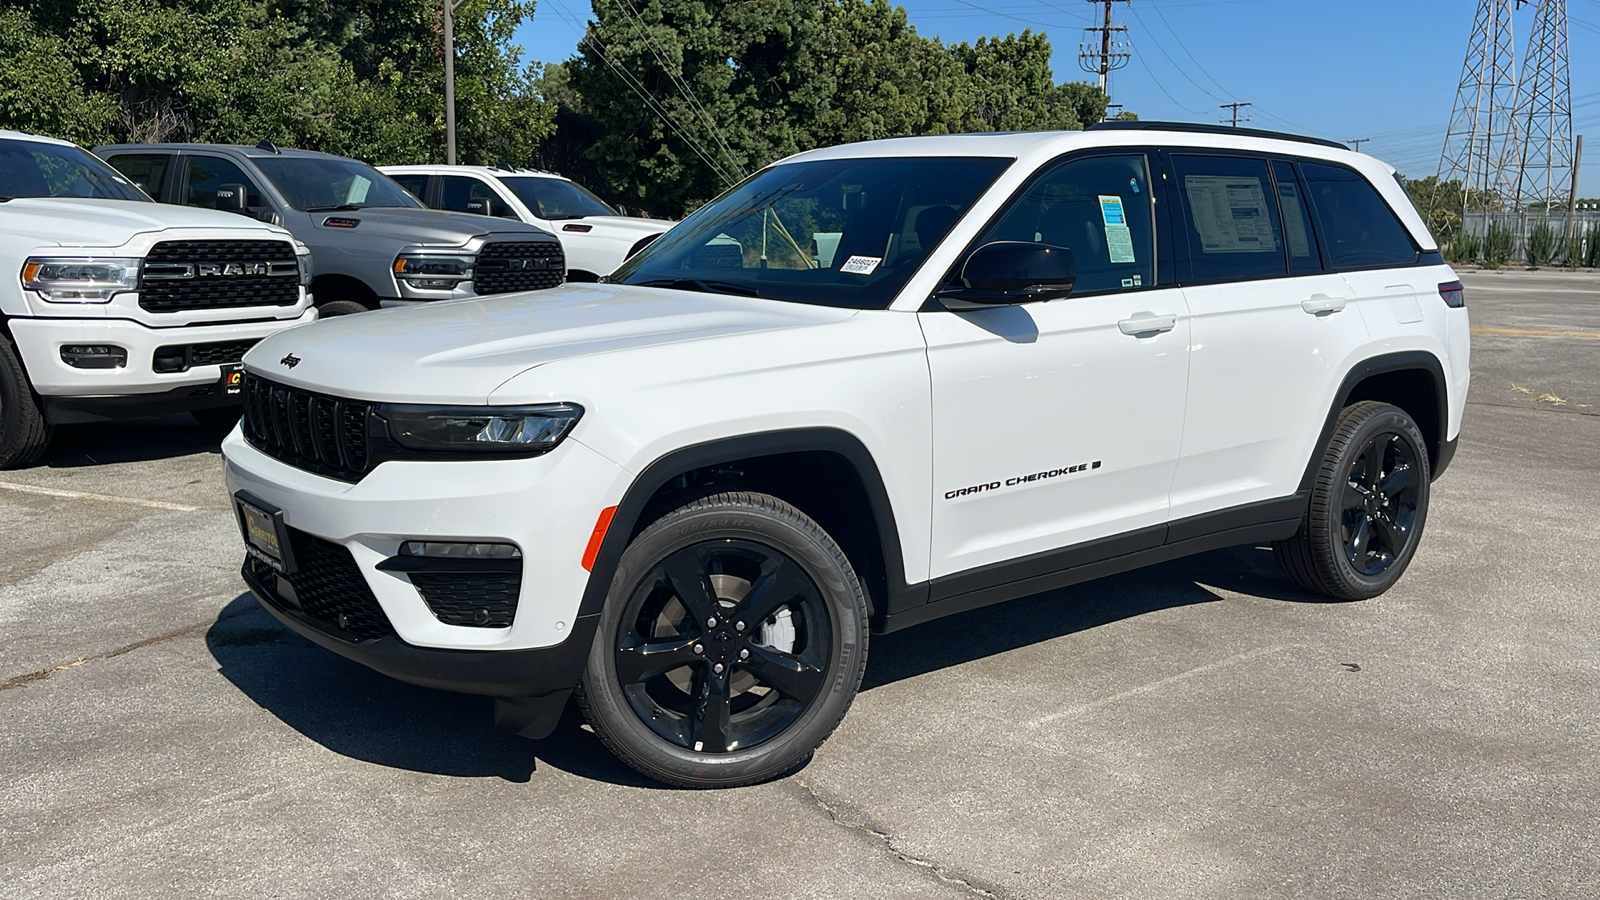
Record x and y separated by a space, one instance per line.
24 431
1367 509
340 308
731 644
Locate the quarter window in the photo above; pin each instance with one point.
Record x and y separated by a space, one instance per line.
1230 217
1099 208
1360 228
206 174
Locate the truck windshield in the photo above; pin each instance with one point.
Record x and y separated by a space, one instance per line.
837 232
38 169
320 184
556 198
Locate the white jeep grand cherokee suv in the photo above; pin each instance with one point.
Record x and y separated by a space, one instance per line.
870 386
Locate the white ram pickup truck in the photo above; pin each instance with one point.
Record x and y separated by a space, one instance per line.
115 305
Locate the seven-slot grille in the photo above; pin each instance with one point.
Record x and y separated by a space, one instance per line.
327 586
507 266
187 275
309 431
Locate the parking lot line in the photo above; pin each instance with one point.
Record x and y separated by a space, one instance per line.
85 495
1159 683
1536 332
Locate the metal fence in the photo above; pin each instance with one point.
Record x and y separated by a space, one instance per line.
1532 238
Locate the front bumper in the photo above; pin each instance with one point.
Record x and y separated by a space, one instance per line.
546 506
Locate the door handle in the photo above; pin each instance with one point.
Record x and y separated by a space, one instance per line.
1143 323
1317 304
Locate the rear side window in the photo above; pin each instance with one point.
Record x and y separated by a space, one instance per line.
1231 217
416 184
1361 231
147 170
1300 237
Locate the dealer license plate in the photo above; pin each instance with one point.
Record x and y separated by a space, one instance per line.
265 536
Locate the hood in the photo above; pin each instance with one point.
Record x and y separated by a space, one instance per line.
460 351
618 225
426 226
82 222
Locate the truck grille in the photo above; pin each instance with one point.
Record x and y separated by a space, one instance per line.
180 276
328 588
505 266
309 431
481 600
183 357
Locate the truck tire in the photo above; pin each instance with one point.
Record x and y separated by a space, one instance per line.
730 646
340 308
24 432
1368 506
219 419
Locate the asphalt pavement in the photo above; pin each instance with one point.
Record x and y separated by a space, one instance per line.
1199 729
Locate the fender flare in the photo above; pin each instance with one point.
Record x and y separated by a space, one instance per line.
1407 360
727 450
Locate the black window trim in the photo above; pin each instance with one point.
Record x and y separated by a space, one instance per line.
1422 257
1158 222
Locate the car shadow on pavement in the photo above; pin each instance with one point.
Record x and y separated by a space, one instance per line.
129 440
354 711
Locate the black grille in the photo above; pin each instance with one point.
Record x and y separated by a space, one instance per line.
309 431
485 600
328 588
183 357
223 291
502 267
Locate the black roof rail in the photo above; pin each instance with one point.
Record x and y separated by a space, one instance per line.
1118 125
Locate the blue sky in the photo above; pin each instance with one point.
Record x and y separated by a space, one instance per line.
1380 69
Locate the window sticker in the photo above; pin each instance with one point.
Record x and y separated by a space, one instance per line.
1111 210
1230 213
1119 240
1299 245
861 265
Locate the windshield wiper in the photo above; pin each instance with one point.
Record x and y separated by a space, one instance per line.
343 207
702 285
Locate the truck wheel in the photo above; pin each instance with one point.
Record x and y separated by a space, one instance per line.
220 419
340 308
1367 509
24 433
731 644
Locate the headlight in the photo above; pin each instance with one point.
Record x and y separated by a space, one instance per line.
516 430
83 279
302 258
433 271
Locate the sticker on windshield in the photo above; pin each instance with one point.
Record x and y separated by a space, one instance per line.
861 265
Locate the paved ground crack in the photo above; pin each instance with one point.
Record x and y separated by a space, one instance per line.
42 674
949 876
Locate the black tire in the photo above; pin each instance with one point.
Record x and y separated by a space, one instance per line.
24 432
220 419
341 308
719 574
1368 506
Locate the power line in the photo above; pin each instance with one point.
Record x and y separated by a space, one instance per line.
1355 143
1102 50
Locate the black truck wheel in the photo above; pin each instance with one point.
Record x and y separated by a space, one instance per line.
24 432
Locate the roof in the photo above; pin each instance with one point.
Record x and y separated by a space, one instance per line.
6 135
489 171
255 152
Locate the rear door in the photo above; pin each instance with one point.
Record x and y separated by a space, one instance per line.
150 171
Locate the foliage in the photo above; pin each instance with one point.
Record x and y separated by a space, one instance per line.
1498 246
1591 257
1541 244
1463 249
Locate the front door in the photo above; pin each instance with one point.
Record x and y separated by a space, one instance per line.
1058 423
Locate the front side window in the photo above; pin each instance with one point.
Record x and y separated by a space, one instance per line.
1361 230
1099 208
837 232
37 169
1231 217
556 198
206 174
326 184
459 193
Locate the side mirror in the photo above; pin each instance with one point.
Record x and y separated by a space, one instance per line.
1005 273
483 206
233 198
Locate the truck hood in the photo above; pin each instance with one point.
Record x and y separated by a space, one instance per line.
425 226
618 225
83 222
460 351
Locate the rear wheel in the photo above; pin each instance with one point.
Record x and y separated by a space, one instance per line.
1367 509
24 432
731 645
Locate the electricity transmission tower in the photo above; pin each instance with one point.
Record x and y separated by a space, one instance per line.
1235 107
1104 47
1481 145
1544 110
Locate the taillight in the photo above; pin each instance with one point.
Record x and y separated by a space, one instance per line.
1453 294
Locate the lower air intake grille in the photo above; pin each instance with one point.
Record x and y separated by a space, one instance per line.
320 434
506 266
328 588
487 600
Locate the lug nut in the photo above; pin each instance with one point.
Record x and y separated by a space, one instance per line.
717 668
711 622
738 626
744 654
699 649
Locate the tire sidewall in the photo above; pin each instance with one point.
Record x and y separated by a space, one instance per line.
710 520
1379 420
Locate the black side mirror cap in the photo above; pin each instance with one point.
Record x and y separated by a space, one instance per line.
233 198
1005 273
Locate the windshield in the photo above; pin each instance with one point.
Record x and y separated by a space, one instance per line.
557 198
318 184
37 169
839 232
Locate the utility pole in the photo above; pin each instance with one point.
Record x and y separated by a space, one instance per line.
1355 143
1235 107
1482 140
450 7
1544 109
1101 52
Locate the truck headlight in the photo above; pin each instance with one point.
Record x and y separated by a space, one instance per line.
434 271
302 258
80 279
515 430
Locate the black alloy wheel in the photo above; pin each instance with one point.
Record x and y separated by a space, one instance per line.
1368 504
731 645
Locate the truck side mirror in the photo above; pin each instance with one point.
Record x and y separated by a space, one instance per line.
483 206
233 198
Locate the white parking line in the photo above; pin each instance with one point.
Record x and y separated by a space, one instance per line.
1146 688
85 495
